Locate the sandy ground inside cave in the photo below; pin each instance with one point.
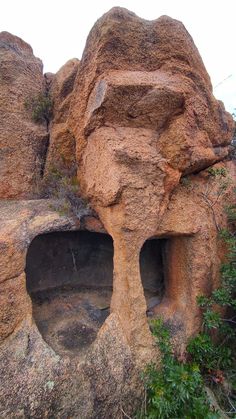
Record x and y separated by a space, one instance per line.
69 318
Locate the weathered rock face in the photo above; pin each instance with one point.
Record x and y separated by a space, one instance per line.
140 110
143 115
107 379
47 384
61 151
173 82
23 143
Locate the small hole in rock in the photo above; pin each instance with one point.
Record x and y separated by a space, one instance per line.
152 271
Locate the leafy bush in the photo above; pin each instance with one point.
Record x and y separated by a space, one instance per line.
209 355
214 348
175 390
205 386
231 213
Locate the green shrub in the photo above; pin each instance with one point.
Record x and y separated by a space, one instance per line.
209 355
214 348
62 185
205 386
175 390
40 107
217 171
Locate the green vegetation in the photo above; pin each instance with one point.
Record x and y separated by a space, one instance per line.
216 185
214 348
176 390
40 108
205 385
217 171
62 185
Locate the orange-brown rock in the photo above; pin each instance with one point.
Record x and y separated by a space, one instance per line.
191 267
147 54
23 143
61 150
15 304
143 115
140 112
27 361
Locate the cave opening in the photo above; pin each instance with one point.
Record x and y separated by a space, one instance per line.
69 278
153 271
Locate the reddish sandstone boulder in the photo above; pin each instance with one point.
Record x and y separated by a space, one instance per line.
23 143
61 151
143 117
129 45
143 114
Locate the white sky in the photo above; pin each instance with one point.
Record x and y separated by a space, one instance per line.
57 30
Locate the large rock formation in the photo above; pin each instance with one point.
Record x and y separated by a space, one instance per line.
23 143
143 102
140 113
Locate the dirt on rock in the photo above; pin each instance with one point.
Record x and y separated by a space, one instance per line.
69 320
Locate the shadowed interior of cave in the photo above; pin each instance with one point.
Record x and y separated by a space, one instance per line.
69 277
152 271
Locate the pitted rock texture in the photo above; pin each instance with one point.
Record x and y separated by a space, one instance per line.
140 113
20 221
61 150
23 143
47 384
143 115
108 378
128 45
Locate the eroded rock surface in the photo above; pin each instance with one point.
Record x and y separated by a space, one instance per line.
61 151
143 115
47 383
23 143
138 117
